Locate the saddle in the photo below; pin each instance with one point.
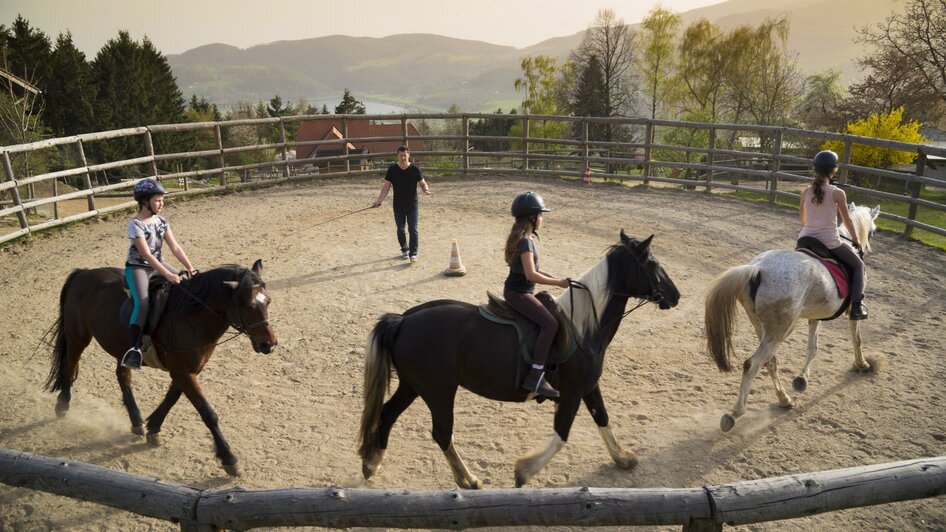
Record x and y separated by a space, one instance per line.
839 271
563 347
158 289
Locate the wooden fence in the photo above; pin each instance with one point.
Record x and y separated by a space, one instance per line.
696 509
726 158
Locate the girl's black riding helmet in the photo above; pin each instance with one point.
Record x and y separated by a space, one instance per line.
528 204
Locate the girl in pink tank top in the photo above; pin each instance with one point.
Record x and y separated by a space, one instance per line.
821 203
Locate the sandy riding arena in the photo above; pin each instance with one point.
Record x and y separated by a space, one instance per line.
291 417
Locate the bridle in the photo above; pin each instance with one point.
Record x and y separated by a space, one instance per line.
654 297
242 328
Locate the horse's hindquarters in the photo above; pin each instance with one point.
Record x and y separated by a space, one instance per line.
452 345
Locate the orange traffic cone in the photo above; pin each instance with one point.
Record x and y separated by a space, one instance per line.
586 176
456 268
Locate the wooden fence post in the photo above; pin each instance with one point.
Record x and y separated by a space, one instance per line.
915 190
525 144
775 166
345 134
223 173
845 160
648 141
149 150
710 158
285 148
466 145
584 142
86 177
404 130
14 192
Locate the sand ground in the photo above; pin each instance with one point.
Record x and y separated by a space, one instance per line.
291 417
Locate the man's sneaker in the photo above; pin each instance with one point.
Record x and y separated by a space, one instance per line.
404 255
413 258
132 358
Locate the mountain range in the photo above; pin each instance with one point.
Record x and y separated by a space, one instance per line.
431 72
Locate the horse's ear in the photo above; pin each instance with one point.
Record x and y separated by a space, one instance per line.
874 212
258 267
232 284
646 243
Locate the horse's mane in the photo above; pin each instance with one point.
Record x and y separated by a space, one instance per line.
863 224
208 287
600 280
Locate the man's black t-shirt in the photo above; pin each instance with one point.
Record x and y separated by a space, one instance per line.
404 183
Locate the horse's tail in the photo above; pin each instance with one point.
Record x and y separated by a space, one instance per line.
59 371
377 378
720 313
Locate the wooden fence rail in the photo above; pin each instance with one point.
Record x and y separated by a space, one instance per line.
703 508
525 154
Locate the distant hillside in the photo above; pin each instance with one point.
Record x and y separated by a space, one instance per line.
431 72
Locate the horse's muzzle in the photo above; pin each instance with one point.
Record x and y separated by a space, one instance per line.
265 347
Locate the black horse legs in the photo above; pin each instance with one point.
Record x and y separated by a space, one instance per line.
440 402
128 399
595 403
188 384
396 405
533 462
156 419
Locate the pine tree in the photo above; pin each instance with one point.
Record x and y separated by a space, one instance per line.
349 105
26 52
69 91
134 87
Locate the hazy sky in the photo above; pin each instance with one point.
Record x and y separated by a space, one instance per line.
175 26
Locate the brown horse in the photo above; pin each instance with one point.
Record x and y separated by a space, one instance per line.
441 345
198 312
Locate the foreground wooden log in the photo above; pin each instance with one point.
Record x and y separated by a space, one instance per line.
134 493
344 507
697 509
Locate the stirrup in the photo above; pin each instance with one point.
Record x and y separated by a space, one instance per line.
858 311
132 358
540 386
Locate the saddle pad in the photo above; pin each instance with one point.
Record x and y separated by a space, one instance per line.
527 340
835 269
150 354
840 280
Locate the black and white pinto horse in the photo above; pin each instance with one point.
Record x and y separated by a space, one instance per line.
441 345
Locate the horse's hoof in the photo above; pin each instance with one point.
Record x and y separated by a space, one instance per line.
472 484
800 384
628 461
786 403
520 480
138 430
154 439
866 368
62 409
369 470
232 469
727 422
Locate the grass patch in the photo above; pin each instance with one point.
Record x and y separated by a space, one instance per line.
927 216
